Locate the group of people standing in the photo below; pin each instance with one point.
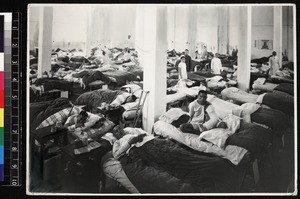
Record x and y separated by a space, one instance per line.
184 64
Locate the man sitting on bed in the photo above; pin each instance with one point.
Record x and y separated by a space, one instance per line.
82 121
203 116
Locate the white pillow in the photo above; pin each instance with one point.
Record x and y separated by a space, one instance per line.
233 123
172 115
120 99
217 136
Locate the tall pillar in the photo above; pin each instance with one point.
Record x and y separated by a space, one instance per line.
45 39
244 47
153 47
277 32
223 37
192 30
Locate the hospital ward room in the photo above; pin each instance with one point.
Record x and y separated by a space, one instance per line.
156 99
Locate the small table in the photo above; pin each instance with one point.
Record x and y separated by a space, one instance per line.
93 157
42 136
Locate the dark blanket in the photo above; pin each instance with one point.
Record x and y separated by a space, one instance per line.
171 82
74 65
94 99
274 119
262 60
122 77
56 67
286 87
33 61
91 76
195 77
204 73
65 59
33 95
289 65
280 101
228 62
139 73
54 83
162 166
181 120
199 63
252 137
79 59
41 110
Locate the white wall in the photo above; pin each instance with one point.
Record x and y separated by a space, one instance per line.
262 28
109 24
122 24
207 27
33 27
69 27
181 28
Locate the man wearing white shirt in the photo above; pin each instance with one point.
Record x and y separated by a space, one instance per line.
216 65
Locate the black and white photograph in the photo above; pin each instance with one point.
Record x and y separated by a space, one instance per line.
161 99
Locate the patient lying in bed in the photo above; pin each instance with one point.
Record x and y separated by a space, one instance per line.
82 121
162 160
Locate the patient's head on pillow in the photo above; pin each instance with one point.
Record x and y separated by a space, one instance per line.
222 125
130 98
82 117
118 131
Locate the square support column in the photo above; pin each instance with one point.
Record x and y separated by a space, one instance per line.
45 39
223 38
277 33
244 47
152 44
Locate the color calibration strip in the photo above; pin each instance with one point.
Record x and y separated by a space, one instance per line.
11 78
13 71
7 60
1 98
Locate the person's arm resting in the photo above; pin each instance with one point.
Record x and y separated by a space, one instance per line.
90 122
212 122
70 123
191 111
121 146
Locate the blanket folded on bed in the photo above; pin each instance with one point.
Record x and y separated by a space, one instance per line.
274 119
239 95
94 99
216 137
122 77
91 76
41 110
286 87
54 83
252 137
280 101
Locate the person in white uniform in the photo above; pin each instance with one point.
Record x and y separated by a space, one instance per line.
182 68
274 63
216 65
